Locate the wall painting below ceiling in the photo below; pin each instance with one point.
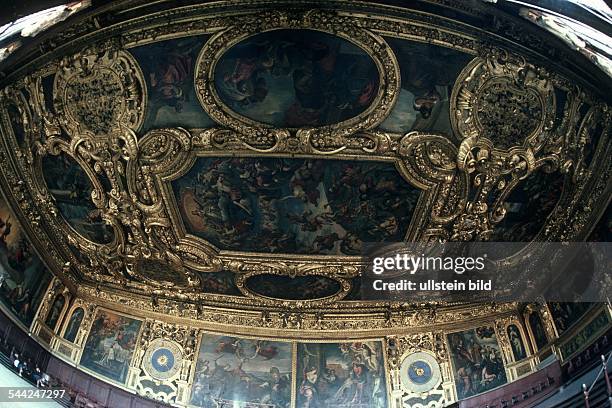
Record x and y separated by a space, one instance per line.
234 372
516 342
74 324
23 277
338 375
110 345
477 361
294 205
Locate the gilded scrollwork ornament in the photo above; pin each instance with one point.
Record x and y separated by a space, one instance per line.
98 93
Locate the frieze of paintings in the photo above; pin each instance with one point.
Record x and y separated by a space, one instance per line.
240 373
23 276
110 345
587 335
477 361
341 375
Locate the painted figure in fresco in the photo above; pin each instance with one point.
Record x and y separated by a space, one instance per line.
55 311
537 328
277 389
477 361
518 349
329 83
294 205
528 207
341 375
172 76
74 324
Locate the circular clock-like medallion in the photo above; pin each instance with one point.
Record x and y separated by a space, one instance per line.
420 372
162 359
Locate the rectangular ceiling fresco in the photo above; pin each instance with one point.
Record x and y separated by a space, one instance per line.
23 276
295 205
110 345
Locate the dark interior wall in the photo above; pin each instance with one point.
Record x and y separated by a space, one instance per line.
12 336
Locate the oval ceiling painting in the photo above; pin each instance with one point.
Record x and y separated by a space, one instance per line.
71 187
307 287
296 78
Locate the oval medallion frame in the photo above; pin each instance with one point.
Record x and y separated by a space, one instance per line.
332 24
170 347
345 287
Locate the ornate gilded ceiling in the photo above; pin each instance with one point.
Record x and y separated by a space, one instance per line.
213 155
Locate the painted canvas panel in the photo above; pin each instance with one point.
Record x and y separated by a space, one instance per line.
110 345
236 372
168 68
288 288
71 188
528 207
428 73
23 277
296 78
221 283
295 205
565 314
477 361
538 331
341 375
74 324
516 343
55 311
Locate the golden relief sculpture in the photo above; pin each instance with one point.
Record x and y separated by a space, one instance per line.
511 119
